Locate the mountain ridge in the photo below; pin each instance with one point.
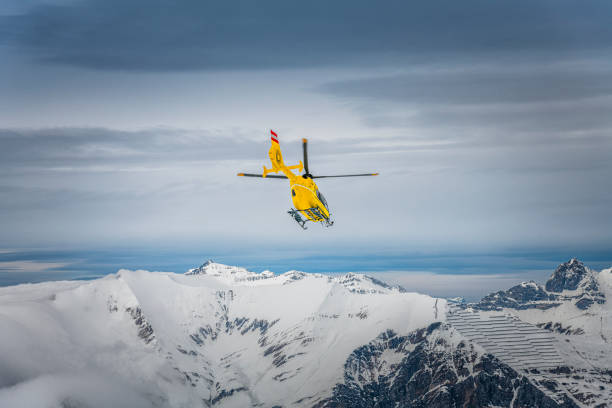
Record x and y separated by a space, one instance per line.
224 336
571 281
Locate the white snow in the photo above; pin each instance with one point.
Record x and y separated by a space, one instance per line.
589 352
596 321
77 340
223 333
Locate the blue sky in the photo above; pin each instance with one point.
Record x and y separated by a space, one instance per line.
123 124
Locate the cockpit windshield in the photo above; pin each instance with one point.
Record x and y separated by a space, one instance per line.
321 198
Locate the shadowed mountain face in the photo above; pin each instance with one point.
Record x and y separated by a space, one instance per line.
223 336
432 367
570 281
567 276
519 296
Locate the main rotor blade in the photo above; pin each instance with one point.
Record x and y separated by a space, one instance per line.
347 175
260 176
305 150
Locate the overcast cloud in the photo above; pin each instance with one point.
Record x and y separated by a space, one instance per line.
126 122
165 35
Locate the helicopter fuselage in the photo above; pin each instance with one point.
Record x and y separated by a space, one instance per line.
305 194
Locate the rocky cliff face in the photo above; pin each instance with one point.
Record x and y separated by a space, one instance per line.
570 282
432 367
567 276
523 296
574 307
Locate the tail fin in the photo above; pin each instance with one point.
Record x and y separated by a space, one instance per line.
274 136
276 157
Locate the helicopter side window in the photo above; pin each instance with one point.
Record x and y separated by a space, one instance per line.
321 198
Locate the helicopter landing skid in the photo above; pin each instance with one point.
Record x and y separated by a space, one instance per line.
295 214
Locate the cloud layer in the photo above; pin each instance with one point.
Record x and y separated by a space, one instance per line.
160 35
126 122
84 185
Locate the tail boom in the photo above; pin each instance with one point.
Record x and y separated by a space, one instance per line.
276 158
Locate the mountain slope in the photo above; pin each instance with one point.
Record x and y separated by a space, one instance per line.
574 306
224 336
218 335
574 300
433 367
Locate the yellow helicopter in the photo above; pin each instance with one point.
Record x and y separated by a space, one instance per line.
310 205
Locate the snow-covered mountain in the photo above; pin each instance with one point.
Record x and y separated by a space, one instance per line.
574 300
224 336
575 307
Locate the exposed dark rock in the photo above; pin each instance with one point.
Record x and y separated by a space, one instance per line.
242 324
294 276
352 282
227 393
567 276
559 328
432 373
145 330
363 314
201 270
571 276
274 349
561 370
523 296
584 303
186 352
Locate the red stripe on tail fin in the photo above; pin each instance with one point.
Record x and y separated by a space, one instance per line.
274 136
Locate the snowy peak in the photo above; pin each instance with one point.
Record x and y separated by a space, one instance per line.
227 272
360 283
567 276
217 336
571 282
575 281
202 269
353 282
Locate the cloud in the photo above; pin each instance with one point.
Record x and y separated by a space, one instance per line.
470 286
75 185
157 35
463 84
524 115
73 389
66 148
29 266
